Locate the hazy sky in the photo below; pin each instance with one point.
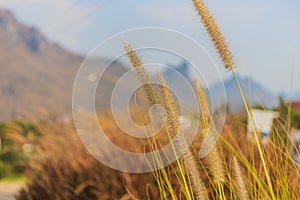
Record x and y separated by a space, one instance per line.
263 35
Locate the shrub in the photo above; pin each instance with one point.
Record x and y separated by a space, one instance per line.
63 169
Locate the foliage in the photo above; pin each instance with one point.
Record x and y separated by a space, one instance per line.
13 135
63 169
296 119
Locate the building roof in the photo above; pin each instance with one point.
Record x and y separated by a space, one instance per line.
295 105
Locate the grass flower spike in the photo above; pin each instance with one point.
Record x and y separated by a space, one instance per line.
215 34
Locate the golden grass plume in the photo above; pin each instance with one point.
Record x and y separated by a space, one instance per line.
213 159
240 183
215 34
173 122
141 73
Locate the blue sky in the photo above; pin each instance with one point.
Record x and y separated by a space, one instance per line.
263 35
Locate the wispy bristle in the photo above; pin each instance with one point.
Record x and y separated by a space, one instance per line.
141 73
169 104
213 159
216 165
240 183
174 128
203 105
197 183
215 34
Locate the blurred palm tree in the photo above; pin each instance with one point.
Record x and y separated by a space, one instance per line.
3 127
17 140
23 132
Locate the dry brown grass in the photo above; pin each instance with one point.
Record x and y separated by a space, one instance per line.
63 169
239 179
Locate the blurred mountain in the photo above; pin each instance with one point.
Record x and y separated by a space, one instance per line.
255 93
36 76
182 68
173 73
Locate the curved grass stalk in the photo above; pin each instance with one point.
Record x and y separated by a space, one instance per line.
213 158
153 99
188 157
227 58
249 114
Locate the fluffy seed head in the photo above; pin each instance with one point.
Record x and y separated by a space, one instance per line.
203 105
213 159
169 104
141 73
216 165
174 127
215 34
240 183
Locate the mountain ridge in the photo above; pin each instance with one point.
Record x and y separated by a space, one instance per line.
36 75
255 92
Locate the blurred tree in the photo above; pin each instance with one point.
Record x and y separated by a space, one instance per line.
283 108
296 119
14 137
2 133
259 107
